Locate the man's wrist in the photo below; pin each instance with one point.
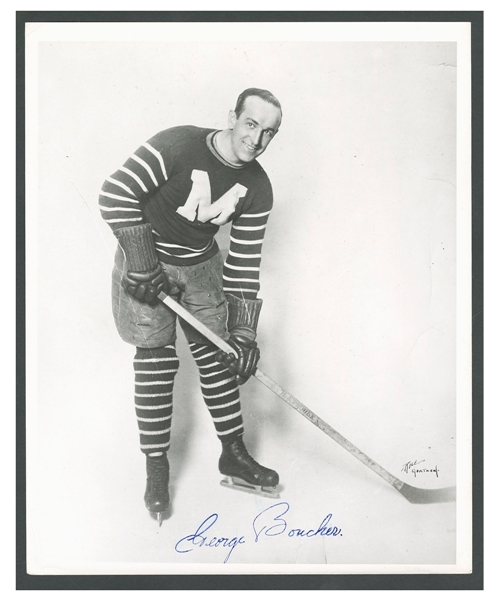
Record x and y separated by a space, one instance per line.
243 316
138 246
244 332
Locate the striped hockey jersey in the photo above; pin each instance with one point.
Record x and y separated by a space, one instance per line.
181 184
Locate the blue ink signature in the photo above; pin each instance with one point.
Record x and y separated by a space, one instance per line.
261 524
268 523
197 539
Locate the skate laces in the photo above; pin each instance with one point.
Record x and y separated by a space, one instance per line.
158 473
241 451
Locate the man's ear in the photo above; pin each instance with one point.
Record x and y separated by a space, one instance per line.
231 120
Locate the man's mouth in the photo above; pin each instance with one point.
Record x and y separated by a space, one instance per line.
250 147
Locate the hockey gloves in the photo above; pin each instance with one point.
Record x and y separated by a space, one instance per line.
244 365
243 316
144 278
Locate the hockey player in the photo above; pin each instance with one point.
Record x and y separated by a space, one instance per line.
165 205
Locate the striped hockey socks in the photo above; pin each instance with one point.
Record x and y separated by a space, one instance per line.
154 369
220 392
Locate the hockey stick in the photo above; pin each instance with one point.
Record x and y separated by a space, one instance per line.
412 494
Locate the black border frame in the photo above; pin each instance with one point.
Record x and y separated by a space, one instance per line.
472 581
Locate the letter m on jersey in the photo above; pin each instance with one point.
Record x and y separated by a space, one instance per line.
199 202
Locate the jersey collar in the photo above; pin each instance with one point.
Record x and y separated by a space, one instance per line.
214 150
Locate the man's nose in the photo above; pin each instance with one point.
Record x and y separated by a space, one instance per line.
257 137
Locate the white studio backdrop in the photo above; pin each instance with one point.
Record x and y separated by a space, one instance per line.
358 282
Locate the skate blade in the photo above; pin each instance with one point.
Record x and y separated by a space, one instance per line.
243 486
158 516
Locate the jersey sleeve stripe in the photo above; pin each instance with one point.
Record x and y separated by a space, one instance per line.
135 177
123 220
239 268
114 208
159 157
237 255
250 216
118 209
242 228
245 242
121 184
249 265
230 289
241 279
144 164
116 197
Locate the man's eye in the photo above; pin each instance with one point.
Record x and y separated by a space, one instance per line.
269 133
251 125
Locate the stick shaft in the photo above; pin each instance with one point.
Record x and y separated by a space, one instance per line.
198 325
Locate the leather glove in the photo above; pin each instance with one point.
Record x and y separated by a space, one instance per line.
243 365
145 287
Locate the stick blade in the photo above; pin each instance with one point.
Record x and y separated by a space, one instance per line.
420 496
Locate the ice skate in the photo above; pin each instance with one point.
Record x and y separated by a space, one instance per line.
244 473
156 498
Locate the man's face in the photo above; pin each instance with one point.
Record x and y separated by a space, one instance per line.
253 130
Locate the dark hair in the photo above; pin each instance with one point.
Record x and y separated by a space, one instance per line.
264 94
